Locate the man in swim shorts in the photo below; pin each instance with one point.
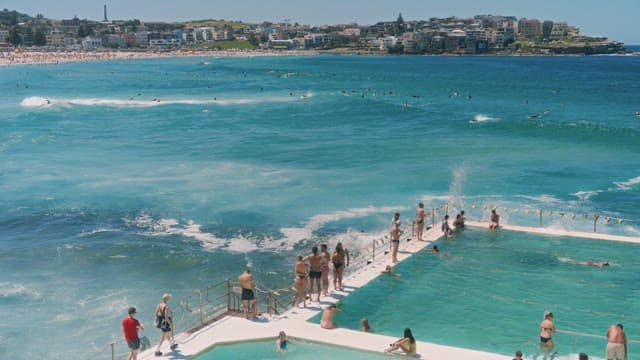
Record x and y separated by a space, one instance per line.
617 343
315 271
249 302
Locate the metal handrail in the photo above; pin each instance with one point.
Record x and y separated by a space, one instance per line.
594 220
576 335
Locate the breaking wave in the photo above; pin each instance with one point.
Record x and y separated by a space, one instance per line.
41 102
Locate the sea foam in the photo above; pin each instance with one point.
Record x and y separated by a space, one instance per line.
481 118
41 102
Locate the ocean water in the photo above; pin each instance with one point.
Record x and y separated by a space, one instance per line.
124 180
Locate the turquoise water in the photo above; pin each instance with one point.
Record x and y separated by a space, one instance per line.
296 349
110 199
489 290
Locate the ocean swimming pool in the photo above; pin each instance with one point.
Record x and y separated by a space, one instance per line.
297 349
488 291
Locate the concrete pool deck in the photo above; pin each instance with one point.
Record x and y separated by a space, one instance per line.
294 322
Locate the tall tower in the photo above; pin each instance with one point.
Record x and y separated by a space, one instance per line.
105 13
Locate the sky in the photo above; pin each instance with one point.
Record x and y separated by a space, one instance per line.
615 19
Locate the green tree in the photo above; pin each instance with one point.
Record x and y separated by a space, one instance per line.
14 36
40 38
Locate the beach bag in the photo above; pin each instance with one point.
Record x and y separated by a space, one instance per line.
144 343
158 321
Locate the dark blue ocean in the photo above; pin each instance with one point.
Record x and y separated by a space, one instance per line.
124 180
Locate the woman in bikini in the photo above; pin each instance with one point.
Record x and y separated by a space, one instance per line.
301 281
547 328
338 260
407 344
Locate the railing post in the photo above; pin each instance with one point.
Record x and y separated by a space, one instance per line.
373 255
595 221
200 307
228 295
540 217
113 353
269 302
433 217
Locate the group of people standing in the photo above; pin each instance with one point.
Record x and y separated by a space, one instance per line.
314 269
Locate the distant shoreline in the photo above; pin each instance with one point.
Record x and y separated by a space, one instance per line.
58 57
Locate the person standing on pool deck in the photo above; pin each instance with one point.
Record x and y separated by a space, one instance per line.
130 326
338 258
446 229
315 271
495 220
420 220
301 274
395 233
547 328
325 269
249 302
165 323
617 343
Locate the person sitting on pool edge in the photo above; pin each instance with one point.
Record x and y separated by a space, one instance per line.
327 317
407 344
495 220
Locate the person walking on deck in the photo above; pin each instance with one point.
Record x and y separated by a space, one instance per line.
164 318
130 327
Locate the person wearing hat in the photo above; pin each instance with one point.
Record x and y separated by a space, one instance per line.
547 328
165 323
130 326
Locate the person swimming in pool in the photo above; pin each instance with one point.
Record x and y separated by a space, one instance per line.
281 342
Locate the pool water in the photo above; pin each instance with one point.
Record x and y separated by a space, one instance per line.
296 349
488 291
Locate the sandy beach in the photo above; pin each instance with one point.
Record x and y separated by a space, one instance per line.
56 57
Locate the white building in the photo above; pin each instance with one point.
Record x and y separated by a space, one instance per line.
4 35
91 43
